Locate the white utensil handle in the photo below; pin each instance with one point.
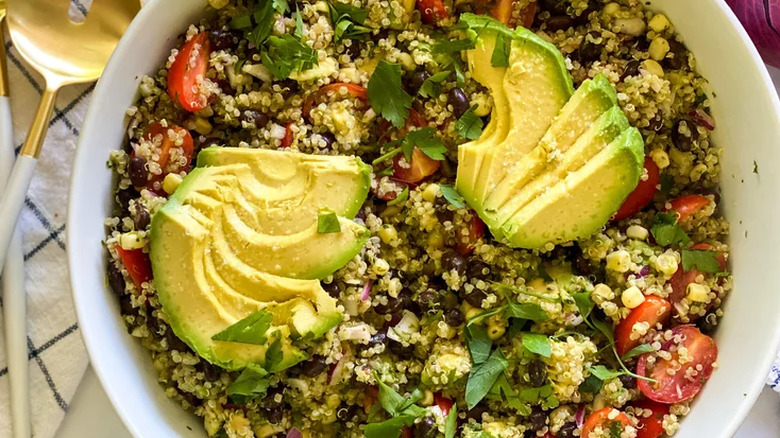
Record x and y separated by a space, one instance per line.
14 298
13 200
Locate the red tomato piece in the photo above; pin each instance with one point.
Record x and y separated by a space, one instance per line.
443 403
138 265
188 72
288 138
432 11
601 418
476 232
166 144
686 206
642 194
313 99
653 310
682 278
652 426
677 382
415 170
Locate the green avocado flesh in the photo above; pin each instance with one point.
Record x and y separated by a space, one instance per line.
554 146
218 258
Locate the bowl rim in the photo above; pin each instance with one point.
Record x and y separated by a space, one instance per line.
112 389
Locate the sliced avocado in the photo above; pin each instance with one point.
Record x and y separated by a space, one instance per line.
537 85
492 78
581 203
589 102
597 137
293 187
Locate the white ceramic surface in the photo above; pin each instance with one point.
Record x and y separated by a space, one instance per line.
748 115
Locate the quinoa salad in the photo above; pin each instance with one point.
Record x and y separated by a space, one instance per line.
430 218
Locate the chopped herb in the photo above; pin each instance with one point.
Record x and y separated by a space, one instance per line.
460 78
667 181
274 356
340 11
395 404
431 87
584 304
479 343
530 311
390 428
426 140
452 196
469 125
402 197
452 46
637 351
298 23
537 343
500 56
451 422
239 65
328 222
703 260
281 6
483 376
249 330
263 19
603 373
387 96
591 384
666 231
485 315
543 394
252 382
286 54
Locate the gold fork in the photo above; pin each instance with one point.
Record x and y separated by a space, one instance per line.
64 53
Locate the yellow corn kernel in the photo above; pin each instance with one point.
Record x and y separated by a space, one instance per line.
388 234
427 399
202 126
660 157
659 47
407 61
658 23
431 192
602 292
619 261
637 232
436 239
470 311
495 328
171 182
652 67
131 241
698 292
632 297
611 8
667 264
380 267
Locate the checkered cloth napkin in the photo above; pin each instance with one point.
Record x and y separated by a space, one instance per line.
57 358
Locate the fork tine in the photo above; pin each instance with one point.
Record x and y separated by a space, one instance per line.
116 13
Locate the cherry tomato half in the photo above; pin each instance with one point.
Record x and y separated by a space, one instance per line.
188 71
443 403
682 278
686 206
642 194
157 130
432 11
601 418
137 263
313 99
652 426
653 310
476 232
502 10
675 381
415 170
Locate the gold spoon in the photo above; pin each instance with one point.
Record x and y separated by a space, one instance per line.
64 53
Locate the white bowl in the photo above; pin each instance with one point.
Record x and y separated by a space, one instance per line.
746 109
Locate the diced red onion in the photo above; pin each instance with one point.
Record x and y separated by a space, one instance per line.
580 416
367 290
701 118
643 272
762 21
294 433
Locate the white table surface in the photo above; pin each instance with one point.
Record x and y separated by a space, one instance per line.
92 416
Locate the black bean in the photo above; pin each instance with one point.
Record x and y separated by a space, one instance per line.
329 139
454 317
290 84
129 147
537 373
589 51
142 217
380 338
476 413
394 305
428 300
675 62
210 372
347 413
559 22
333 289
401 350
275 414
426 428
553 6
478 269
537 420
451 260
174 343
115 279
137 172
627 381
224 39
684 141
656 123
353 50
314 366
416 81
475 298
208 142
126 306
459 101
631 69
258 118
445 215
190 398
677 47
708 324
152 323
123 198
567 430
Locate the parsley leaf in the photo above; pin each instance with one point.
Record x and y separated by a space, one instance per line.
263 19
252 382
584 304
637 351
531 311
537 343
591 384
431 87
328 222
402 197
274 356
286 54
281 6
479 343
451 422
603 373
387 96
666 231
339 11
483 376
606 329
703 260
390 428
667 181
298 23
426 140
395 404
249 330
452 195
500 56
469 125
542 393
